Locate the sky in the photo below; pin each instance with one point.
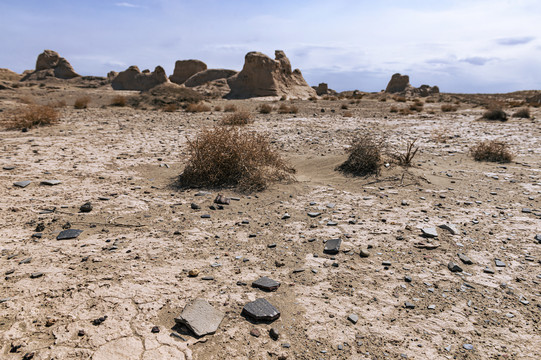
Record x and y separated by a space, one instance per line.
468 46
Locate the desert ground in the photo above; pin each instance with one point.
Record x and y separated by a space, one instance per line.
130 265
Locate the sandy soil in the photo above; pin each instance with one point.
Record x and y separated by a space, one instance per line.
142 237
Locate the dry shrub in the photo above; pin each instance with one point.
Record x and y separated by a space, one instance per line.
283 98
26 100
516 103
170 108
405 111
233 157
348 114
405 158
217 108
265 109
33 115
312 98
58 104
237 118
417 106
365 156
393 109
119 100
383 99
230 108
495 151
430 100
284 109
448 108
344 107
523 113
398 98
495 114
199 107
82 102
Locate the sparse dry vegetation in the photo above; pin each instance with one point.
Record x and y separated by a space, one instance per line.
265 109
417 106
399 98
238 118
448 108
170 108
230 108
119 100
284 109
365 156
523 113
405 158
348 114
495 151
233 157
393 109
218 108
197 107
495 115
31 116
82 102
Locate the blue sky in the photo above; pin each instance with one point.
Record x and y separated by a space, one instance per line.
459 45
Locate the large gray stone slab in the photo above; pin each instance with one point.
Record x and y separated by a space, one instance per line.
266 284
431 232
453 229
22 184
69 234
332 246
200 317
261 309
50 182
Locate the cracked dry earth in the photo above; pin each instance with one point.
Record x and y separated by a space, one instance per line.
142 237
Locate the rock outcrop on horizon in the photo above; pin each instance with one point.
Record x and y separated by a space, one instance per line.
133 79
9 75
208 75
400 84
263 76
321 89
51 65
184 69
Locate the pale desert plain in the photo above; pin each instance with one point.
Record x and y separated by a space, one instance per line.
389 291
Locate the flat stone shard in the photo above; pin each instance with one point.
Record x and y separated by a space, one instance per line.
353 318
200 317
466 260
451 228
261 309
50 182
454 267
22 184
266 284
431 232
332 246
69 234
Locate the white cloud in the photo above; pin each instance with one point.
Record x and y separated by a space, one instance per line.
128 5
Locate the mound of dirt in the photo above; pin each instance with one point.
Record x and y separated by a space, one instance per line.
133 79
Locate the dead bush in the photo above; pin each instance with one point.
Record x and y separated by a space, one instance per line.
448 108
82 102
398 98
348 114
233 157
237 118
170 107
265 109
119 100
523 113
284 109
516 103
417 106
495 115
33 115
344 107
393 109
365 156
197 107
495 151
405 111
58 104
405 158
217 108
230 108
